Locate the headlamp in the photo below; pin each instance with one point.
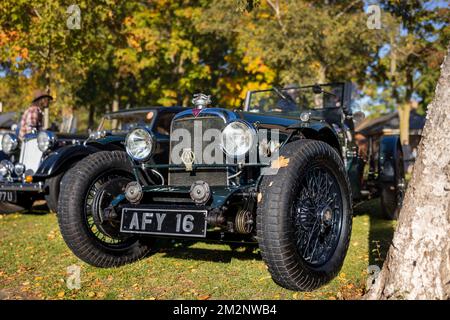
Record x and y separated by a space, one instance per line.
139 144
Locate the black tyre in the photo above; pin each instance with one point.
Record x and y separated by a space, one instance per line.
392 193
86 190
53 186
304 217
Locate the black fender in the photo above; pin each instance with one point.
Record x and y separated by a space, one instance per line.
61 159
323 132
388 157
3 156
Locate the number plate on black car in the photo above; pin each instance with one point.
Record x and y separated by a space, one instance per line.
9 196
184 223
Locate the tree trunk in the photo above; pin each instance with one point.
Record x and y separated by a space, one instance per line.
115 103
418 261
91 117
404 112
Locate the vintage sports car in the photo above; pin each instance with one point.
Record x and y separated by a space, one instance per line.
282 173
36 165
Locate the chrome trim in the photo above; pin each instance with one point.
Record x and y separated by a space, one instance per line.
16 186
254 142
247 100
51 139
153 143
226 115
201 100
14 140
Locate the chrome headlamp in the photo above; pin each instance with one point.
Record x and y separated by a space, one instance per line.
3 170
238 137
6 168
19 169
139 144
45 140
9 143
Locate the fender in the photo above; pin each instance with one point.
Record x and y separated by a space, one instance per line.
388 157
3 156
58 160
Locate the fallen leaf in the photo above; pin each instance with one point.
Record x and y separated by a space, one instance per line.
281 162
61 294
204 297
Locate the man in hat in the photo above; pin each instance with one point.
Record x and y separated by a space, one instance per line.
32 117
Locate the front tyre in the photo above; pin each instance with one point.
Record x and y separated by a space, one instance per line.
86 190
304 217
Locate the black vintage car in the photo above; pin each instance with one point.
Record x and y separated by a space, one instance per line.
37 164
283 173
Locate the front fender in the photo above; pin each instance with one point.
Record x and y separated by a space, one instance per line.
387 158
3 156
62 158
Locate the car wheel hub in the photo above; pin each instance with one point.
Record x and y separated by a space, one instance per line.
102 199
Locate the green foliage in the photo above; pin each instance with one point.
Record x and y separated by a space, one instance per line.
415 44
303 41
161 52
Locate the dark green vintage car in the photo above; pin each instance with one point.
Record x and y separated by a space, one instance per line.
282 173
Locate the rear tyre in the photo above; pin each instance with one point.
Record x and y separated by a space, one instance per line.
304 217
86 190
53 186
392 193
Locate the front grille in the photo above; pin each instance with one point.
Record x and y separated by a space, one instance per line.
30 155
196 127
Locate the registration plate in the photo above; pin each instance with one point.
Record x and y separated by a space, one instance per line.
8 196
183 222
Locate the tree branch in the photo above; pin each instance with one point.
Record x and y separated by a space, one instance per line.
276 8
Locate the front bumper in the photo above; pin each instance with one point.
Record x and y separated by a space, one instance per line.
175 195
22 186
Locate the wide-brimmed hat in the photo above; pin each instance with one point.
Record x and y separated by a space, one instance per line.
39 94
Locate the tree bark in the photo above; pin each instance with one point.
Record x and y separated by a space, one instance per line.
91 117
418 261
404 112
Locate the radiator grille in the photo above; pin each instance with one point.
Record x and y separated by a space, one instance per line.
196 127
30 155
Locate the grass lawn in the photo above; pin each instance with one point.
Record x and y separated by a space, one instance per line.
34 261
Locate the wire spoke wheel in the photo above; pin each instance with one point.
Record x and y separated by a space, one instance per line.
304 218
89 188
101 192
317 215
